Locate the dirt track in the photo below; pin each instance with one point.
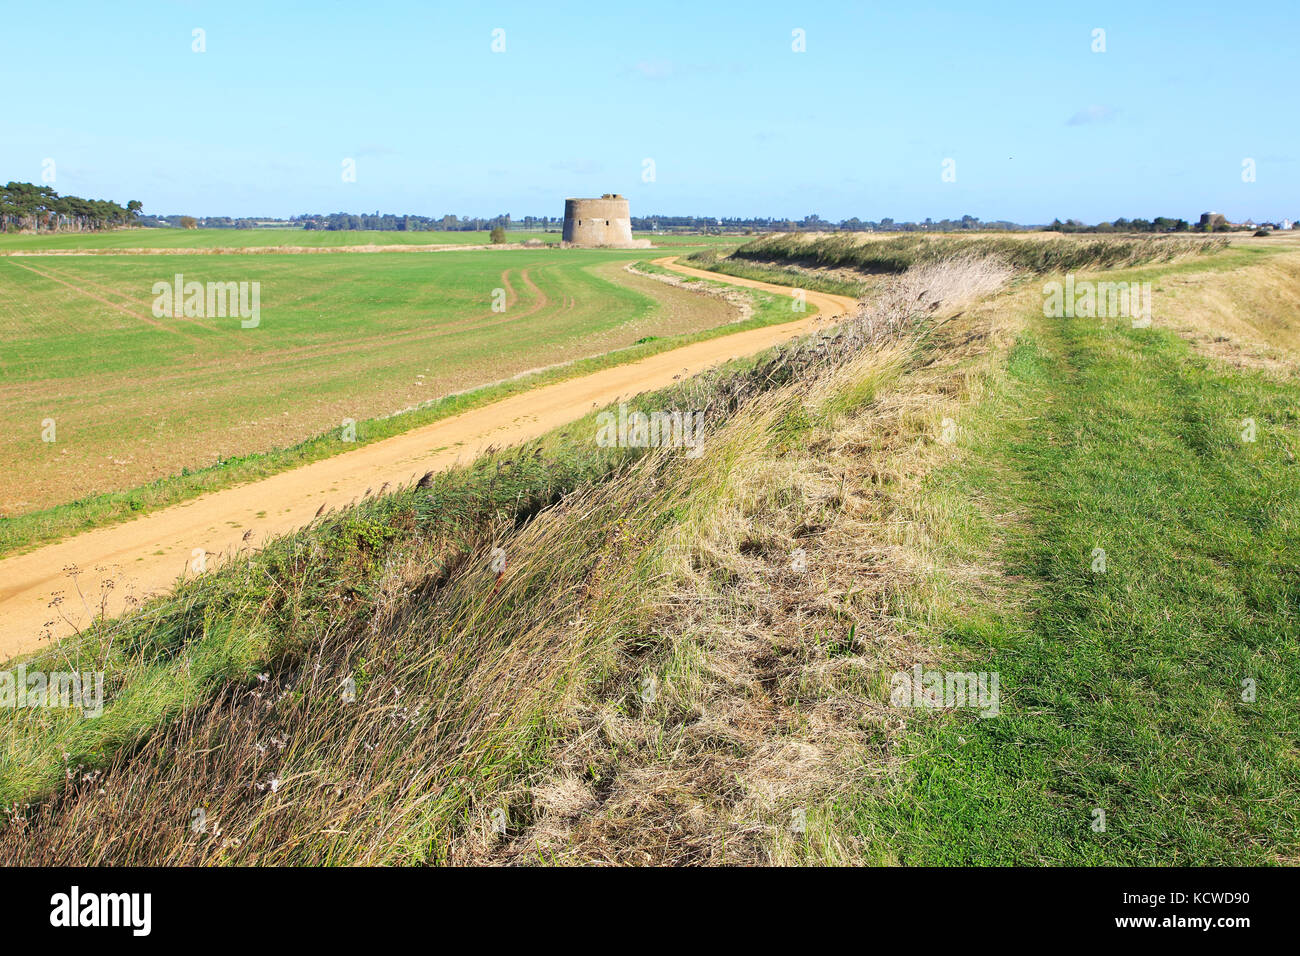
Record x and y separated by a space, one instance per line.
145 556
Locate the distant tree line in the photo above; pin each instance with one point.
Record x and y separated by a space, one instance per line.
1208 222
24 206
810 223
388 222
1158 224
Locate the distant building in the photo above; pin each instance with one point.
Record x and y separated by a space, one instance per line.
600 223
1213 220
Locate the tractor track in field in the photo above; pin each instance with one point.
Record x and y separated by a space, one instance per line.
145 556
144 317
283 357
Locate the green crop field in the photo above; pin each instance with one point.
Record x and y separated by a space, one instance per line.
134 397
243 238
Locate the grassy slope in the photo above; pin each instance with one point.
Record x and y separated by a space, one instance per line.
309 587
1121 690
1030 252
844 263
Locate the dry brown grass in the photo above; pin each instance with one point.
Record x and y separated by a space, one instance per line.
769 695
1247 317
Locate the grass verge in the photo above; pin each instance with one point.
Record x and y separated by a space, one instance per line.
1137 591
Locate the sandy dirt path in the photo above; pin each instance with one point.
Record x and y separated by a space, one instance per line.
145 556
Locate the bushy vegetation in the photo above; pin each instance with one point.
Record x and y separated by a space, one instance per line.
389 222
1137 224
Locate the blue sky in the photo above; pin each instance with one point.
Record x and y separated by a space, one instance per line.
736 122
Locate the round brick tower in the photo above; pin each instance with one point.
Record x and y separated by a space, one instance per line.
598 222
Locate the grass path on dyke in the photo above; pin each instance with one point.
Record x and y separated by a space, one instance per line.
1121 691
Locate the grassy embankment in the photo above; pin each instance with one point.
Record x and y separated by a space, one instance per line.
1029 253
845 263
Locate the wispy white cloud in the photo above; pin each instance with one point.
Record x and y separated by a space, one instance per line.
655 69
1093 114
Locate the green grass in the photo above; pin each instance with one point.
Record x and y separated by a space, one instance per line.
1121 691
26 530
55 333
